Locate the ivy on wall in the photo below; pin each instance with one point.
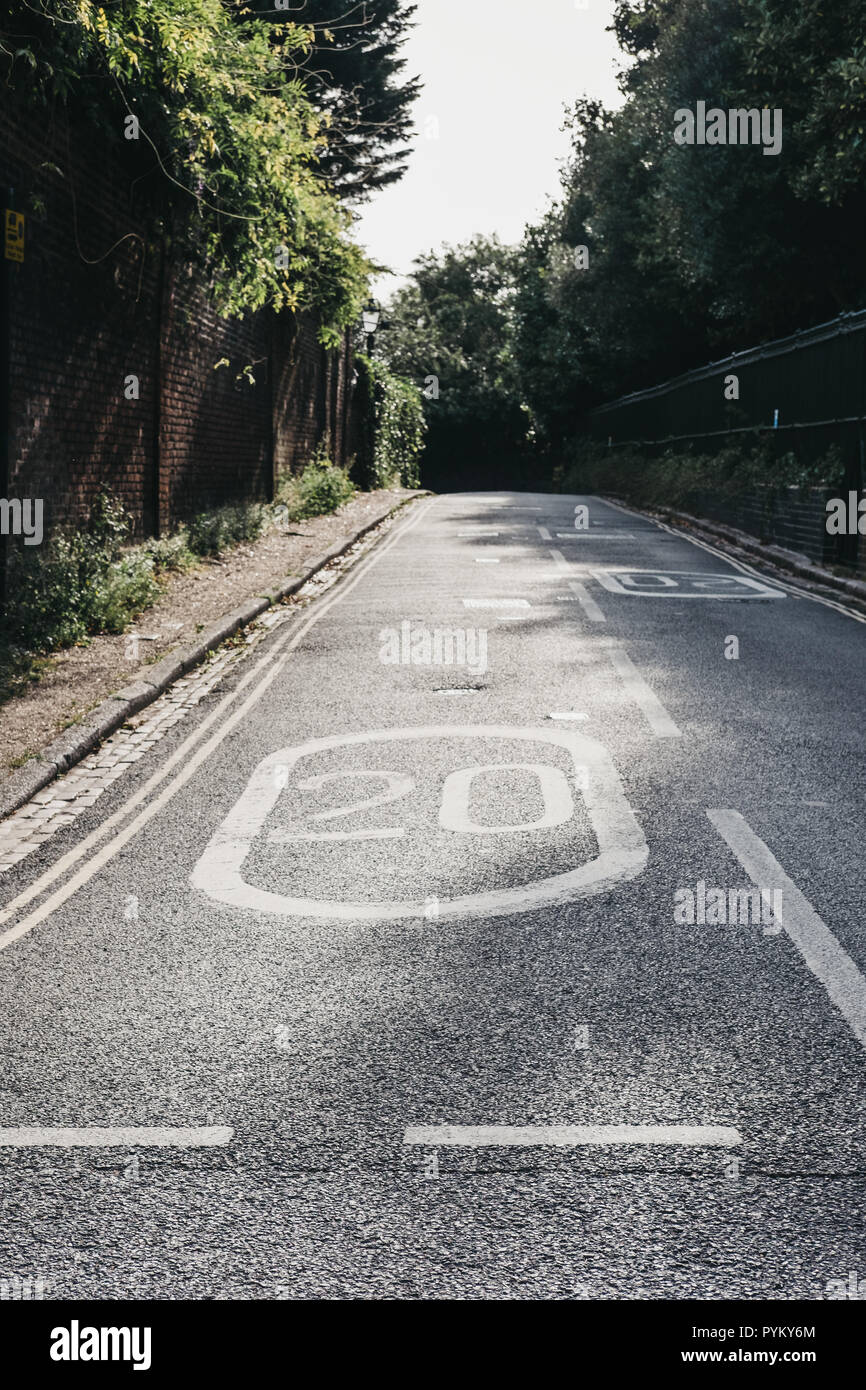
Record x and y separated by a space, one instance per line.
391 434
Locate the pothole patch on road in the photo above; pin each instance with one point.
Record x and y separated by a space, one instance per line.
458 689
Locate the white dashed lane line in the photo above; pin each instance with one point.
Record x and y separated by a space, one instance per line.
115 1137
589 605
637 690
570 1136
823 954
496 603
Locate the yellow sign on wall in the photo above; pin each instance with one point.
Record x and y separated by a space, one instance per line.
14 241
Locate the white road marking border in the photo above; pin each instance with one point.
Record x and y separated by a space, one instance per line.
622 847
795 590
753 588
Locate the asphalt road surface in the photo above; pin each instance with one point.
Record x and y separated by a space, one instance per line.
392 975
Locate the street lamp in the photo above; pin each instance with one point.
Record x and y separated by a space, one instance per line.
370 321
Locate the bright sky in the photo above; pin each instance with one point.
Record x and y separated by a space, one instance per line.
497 75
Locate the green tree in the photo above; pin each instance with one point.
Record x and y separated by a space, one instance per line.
549 339
229 142
355 73
450 330
754 243
812 53
599 307
698 250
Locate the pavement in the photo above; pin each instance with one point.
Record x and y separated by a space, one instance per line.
67 699
489 927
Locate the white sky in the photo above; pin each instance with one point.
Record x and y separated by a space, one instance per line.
497 75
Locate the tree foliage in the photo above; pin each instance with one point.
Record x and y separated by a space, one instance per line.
657 256
450 330
354 71
230 142
453 322
694 250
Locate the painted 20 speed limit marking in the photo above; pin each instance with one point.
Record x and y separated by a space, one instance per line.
622 849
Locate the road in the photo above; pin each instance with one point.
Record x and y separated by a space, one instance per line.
374 977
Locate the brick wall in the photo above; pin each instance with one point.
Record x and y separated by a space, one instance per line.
92 304
792 517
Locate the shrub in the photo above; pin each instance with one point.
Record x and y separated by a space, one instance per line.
321 488
675 478
170 554
123 591
76 583
44 596
211 532
83 582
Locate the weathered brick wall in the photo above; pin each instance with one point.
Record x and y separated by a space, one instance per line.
298 389
80 321
215 441
93 304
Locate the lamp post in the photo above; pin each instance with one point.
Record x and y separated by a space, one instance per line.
370 321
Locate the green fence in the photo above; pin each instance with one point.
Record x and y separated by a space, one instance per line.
810 388
807 391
